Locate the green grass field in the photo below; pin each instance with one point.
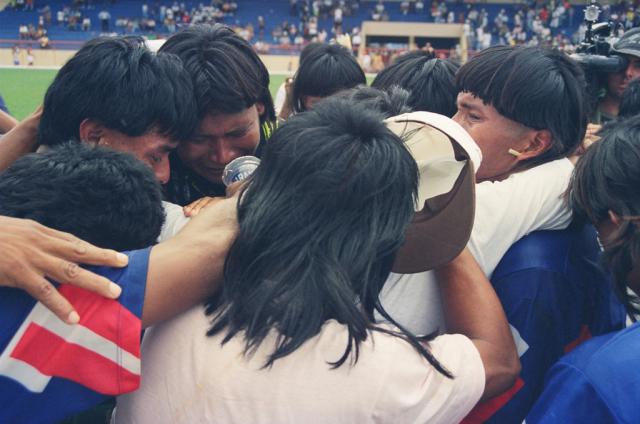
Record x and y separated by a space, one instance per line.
23 89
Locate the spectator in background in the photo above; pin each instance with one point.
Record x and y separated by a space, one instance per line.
104 17
430 82
325 70
15 54
630 102
30 58
629 47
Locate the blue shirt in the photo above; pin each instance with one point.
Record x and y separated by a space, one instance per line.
3 105
554 294
49 370
599 382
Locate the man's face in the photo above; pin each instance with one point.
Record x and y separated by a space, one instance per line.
219 139
616 83
493 133
151 148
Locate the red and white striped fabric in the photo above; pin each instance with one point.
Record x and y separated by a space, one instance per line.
102 352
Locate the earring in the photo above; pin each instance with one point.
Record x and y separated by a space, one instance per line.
514 152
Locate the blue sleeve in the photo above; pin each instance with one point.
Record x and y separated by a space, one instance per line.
3 105
546 311
569 397
132 279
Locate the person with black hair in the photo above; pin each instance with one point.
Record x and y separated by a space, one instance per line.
614 84
325 69
50 368
516 103
598 382
115 92
430 81
71 188
630 102
234 108
292 337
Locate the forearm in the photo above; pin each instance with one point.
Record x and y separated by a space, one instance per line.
22 139
7 122
188 268
472 308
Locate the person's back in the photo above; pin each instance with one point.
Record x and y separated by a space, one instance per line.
555 296
114 201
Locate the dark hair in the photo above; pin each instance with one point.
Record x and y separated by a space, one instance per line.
105 197
320 223
324 70
540 88
389 103
227 74
431 82
607 178
630 102
120 83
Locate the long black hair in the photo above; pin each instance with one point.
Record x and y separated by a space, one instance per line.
320 223
606 179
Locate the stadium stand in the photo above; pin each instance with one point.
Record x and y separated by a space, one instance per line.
128 17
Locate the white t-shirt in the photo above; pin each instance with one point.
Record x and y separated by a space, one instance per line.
189 378
506 211
173 222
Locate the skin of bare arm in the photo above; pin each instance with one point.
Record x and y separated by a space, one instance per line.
188 268
472 308
22 139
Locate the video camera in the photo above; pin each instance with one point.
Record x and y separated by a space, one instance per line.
595 53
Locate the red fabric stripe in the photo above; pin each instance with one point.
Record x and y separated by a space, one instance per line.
53 356
483 411
106 317
585 335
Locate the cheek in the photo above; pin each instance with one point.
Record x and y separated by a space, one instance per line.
190 153
615 80
247 144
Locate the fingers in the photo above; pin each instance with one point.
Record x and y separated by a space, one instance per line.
69 272
45 292
234 188
72 249
194 208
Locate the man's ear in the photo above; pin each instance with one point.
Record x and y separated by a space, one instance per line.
614 218
92 132
539 142
260 108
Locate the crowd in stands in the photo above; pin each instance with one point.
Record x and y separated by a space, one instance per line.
549 22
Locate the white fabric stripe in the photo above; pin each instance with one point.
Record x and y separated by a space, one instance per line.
521 345
86 338
33 379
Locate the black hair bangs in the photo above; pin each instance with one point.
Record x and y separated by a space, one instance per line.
227 74
539 88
